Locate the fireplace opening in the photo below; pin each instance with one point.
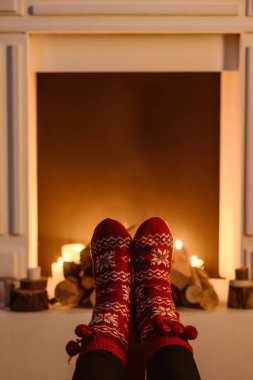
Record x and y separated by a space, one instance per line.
128 146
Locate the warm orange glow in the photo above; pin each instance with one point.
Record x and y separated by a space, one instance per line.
57 270
179 244
60 261
57 275
196 262
71 252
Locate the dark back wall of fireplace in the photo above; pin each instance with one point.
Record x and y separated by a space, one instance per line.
128 146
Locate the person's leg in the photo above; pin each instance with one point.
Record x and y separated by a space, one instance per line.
108 329
172 363
156 317
99 365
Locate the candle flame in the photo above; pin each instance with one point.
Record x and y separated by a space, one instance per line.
71 252
78 247
196 262
60 261
67 257
178 244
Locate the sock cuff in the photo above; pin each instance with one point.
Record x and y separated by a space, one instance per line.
105 344
154 344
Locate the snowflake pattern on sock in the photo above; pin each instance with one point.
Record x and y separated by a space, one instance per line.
111 260
109 326
154 306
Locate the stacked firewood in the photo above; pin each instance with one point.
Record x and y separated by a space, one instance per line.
78 287
190 285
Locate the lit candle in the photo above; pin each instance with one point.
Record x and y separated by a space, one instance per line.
178 244
196 262
57 271
34 273
71 252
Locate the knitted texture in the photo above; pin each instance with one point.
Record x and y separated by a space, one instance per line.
156 318
109 327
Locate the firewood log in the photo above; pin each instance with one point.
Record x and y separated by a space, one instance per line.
71 269
200 293
179 297
85 259
194 294
194 291
242 273
87 282
27 284
181 263
204 279
178 279
209 299
85 302
28 300
240 294
195 280
68 292
181 269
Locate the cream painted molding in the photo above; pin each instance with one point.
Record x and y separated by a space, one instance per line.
180 8
249 143
3 145
250 8
248 254
89 53
11 7
248 260
13 263
15 128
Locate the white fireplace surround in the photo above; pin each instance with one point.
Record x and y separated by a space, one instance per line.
101 36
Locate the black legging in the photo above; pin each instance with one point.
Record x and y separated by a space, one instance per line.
169 363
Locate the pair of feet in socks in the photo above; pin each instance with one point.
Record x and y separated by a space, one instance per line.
137 269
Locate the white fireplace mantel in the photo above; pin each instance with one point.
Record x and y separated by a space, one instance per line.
228 16
84 36
217 343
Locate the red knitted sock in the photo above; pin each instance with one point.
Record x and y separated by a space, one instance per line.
109 327
156 317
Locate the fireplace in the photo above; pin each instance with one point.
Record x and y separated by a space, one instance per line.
128 146
120 40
